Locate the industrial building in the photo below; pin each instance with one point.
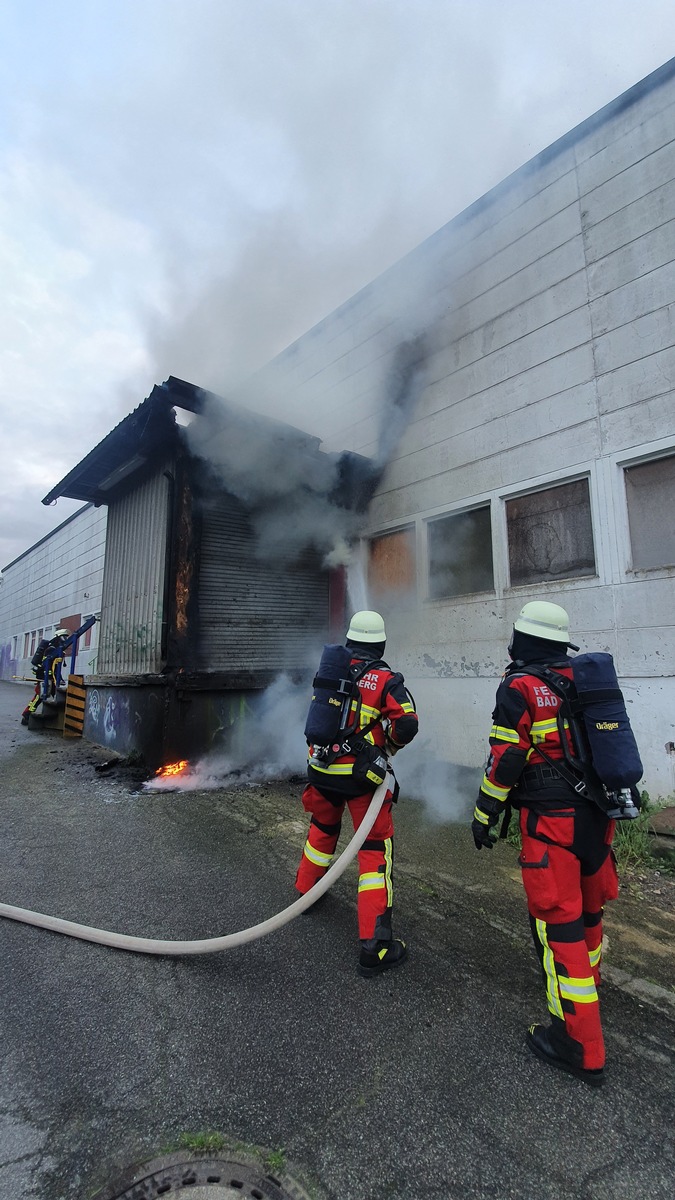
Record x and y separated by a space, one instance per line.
56 583
498 409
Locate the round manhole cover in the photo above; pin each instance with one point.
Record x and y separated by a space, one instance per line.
203 1179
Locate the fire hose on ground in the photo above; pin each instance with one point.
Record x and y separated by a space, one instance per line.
140 945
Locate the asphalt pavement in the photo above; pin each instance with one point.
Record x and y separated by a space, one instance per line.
416 1084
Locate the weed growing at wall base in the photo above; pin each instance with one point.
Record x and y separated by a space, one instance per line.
632 840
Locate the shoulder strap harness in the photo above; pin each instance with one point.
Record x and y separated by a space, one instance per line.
576 769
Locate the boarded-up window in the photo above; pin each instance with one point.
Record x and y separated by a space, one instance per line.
550 534
391 567
72 623
650 492
460 554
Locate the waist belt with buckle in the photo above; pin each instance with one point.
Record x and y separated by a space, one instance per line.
541 776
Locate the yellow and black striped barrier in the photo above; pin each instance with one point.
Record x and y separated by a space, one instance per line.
73 719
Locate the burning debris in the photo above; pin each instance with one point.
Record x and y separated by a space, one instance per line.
262 757
218 774
171 769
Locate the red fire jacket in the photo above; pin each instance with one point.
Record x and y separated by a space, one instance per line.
383 698
525 716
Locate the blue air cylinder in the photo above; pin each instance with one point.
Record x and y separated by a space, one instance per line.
332 687
614 750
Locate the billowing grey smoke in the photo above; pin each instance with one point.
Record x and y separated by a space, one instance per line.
267 751
297 497
301 498
402 390
447 792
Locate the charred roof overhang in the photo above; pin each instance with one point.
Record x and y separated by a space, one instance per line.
151 430
148 432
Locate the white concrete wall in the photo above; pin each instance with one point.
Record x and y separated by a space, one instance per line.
58 577
552 357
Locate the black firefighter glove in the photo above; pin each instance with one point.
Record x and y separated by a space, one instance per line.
485 817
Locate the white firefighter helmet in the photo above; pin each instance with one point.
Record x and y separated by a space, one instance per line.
61 633
542 619
366 626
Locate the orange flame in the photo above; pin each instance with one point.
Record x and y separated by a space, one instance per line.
176 768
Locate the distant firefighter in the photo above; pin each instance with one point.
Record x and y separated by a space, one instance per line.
47 660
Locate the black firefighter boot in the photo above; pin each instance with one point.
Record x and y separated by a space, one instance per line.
382 951
539 1041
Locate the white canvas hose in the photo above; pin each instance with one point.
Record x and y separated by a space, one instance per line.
123 941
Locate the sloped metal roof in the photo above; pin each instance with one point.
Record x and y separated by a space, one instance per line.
147 432
151 430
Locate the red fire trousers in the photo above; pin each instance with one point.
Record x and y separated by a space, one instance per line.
375 856
569 873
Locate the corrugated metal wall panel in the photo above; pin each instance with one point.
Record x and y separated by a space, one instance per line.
254 615
133 582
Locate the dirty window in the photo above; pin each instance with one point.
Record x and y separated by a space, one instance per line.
392 567
460 554
85 642
550 534
650 493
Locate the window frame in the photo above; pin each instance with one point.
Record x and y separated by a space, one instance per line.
457 511
532 491
601 535
400 527
637 457
603 498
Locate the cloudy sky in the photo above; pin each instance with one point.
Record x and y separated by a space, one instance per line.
186 186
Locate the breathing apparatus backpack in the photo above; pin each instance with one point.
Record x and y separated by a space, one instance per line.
37 661
604 764
332 726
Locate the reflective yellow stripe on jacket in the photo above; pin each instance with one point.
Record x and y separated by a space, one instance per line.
499 733
494 789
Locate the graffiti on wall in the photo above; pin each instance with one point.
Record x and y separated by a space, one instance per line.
126 720
120 641
110 718
8 665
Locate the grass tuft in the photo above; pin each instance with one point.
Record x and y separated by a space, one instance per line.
275 1161
202 1143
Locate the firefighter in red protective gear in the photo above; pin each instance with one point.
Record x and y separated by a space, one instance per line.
388 714
568 867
